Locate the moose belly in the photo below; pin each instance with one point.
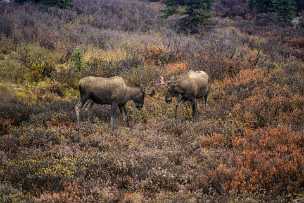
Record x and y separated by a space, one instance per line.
105 98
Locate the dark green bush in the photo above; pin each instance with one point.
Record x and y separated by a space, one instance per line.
5 26
77 59
195 12
285 9
58 3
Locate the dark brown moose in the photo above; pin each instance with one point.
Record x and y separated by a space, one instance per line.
113 91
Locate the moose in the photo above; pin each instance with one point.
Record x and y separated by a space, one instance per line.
113 91
189 86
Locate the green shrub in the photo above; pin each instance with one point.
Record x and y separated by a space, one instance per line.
11 70
77 59
10 194
111 62
7 45
30 174
11 107
39 61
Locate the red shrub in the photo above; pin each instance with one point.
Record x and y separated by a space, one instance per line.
268 159
296 42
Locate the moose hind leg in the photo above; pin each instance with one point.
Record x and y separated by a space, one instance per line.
88 105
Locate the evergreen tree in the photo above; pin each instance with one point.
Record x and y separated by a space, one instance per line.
300 5
195 12
285 9
261 6
171 8
58 3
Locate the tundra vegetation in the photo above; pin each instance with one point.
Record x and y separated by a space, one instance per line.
247 146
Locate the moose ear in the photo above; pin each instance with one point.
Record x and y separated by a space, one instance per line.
137 84
142 88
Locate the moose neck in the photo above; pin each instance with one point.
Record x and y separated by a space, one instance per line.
132 92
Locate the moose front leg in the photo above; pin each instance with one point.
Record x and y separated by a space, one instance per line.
123 110
178 101
194 109
87 106
206 99
113 115
78 108
126 115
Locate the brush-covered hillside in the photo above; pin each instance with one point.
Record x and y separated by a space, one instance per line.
247 145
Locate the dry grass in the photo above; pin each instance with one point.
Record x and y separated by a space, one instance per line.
246 145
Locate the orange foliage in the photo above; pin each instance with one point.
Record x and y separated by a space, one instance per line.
173 68
154 54
244 77
296 42
225 67
275 106
269 158
71 193
132 197
256 100
216 140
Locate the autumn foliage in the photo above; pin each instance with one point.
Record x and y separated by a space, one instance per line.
265 159
246 145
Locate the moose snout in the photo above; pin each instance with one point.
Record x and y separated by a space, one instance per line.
168 99
139 106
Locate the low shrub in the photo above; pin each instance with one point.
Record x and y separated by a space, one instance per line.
12 110
12 70
269 159
10 194
59 3
39 61
118 14
35 175
228 8
6 28
157 55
